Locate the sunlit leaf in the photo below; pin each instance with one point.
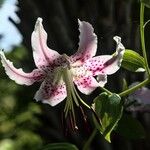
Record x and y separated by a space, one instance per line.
7 144
109 111
60 146
130 128
132 61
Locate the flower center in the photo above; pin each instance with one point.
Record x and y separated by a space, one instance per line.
59 71
66 72
67 61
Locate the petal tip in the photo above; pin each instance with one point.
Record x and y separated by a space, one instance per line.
118 41
38 23
79 21
39 19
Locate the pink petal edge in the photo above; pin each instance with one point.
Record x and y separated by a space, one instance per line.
18 75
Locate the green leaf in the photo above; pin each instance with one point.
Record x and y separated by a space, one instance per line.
60 146
130 128
109 111
132 61
146 2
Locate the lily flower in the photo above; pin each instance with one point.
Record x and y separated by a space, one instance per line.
58 73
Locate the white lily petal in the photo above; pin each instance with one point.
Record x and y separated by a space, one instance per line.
87 42
43 56
113 65
51 94
106 64
18 75
86 84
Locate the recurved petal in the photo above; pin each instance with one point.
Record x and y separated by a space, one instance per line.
43 56
86 84
106 64
51 94
87 42
18 75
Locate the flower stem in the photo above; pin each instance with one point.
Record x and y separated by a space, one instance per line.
88 142
143 38
105 90
130 90
142 27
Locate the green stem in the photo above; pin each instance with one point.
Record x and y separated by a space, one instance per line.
105 90
142 25
88 142
143 38
131 90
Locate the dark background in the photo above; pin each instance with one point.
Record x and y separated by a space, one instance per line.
26 124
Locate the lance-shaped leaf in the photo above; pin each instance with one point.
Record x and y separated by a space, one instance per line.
132 61
109 111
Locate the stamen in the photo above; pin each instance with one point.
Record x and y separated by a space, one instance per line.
85 120
85 104
69 101
72 122
72 97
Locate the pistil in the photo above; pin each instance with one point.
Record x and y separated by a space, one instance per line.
71 97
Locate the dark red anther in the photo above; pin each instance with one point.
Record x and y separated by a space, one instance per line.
87 127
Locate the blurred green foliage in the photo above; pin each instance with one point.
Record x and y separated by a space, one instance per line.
18 112
1 2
